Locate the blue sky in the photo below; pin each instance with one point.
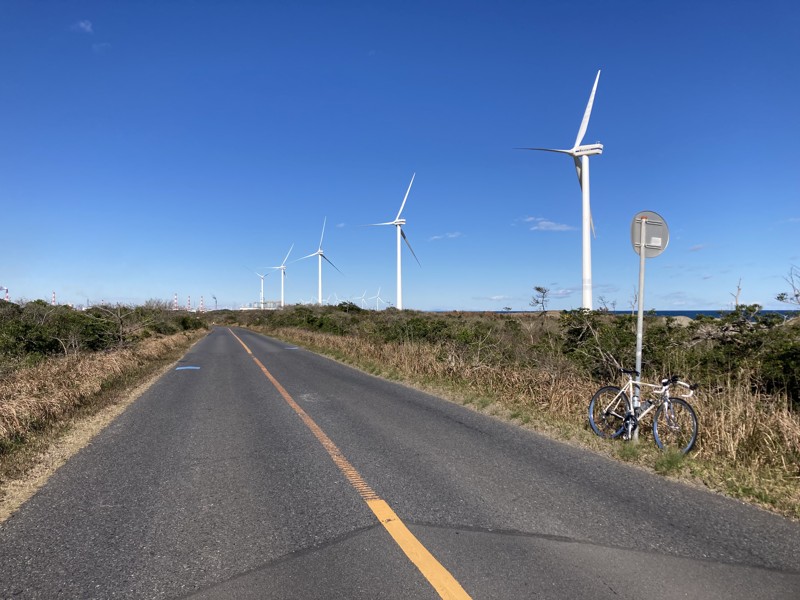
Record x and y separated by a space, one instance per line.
163 147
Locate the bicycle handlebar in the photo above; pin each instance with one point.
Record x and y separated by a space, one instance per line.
666 382
688 386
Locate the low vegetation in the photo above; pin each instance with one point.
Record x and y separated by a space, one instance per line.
57 363
542 369
538 368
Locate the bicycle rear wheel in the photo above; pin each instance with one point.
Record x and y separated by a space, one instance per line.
675 426
607 411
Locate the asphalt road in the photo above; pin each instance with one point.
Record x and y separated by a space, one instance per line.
218 484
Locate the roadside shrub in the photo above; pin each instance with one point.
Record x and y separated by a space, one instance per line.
33 331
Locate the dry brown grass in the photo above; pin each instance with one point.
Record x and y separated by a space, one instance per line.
34 397
522 391
748 443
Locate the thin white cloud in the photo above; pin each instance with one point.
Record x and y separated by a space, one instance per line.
697 248
447 236
83 27
540 224
340 225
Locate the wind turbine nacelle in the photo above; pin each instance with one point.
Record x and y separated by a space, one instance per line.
588 150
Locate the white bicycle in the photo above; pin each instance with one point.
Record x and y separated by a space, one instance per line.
615 411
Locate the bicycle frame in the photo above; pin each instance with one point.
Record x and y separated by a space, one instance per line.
674 420
655 395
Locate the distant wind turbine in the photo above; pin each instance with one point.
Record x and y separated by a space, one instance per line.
321 255
377 298
580 155
362 299
398 222
261 299
282 269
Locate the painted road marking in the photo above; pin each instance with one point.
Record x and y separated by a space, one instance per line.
187 368
440 578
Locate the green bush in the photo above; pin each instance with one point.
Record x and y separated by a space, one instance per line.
35 330
745 346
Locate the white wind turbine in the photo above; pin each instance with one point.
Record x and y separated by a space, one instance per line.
282 269
580 155
261 299
398 222
377 298
362 299
321 255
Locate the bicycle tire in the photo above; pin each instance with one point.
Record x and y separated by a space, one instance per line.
607 411
675 426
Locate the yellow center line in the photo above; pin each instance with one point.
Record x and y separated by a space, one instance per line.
440 578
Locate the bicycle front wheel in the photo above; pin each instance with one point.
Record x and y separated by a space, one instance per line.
675 426
607 411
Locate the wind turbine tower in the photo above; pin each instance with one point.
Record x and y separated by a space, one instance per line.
398 223
320 254
261 298
282 269
580 154
377 298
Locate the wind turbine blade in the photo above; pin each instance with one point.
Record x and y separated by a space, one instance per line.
591 224
399 212
305 257
287 255
330 263
376 224
403 233
547 150
323 232
578 169
587 114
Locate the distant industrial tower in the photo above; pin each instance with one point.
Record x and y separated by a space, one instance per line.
175 302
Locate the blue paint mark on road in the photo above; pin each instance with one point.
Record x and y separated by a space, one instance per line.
187 368
291 348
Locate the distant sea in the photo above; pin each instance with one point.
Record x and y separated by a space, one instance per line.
692 314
